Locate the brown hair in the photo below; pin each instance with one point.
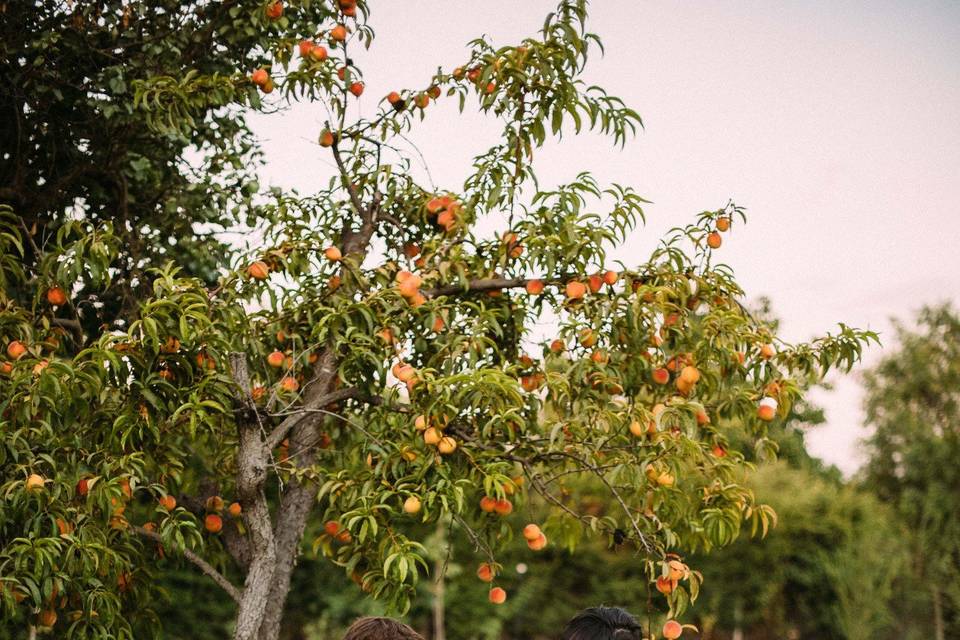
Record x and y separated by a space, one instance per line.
380 629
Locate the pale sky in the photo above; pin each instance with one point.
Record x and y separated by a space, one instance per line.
837 124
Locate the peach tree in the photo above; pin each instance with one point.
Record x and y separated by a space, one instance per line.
373 364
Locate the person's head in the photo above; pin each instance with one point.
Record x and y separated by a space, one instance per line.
602 623
380 629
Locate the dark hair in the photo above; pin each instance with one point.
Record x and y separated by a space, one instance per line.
602 623
380 629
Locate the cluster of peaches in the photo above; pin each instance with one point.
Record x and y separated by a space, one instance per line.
214 506
310 50
487 571
17 350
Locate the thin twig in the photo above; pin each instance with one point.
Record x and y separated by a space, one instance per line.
199 562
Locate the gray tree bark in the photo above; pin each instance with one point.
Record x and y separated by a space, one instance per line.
253 459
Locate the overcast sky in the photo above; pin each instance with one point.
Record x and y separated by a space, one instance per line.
837 124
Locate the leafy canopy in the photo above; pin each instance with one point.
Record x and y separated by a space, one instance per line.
405 365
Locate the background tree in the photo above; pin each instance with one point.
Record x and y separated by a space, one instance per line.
913 410
369 370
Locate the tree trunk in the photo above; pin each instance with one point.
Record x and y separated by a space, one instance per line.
297 501
253 471
253 457
937 613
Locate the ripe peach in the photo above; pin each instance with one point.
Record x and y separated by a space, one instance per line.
714 240
723 224
338 33
331 527
588 338
766 412
83 487
636 428
332 254
702 417
672 630
406 373
214 504
664 585
537 543
422 100
690 374
409 288
258 270
447 445
596 282
535 287
557 346
531 532
576 290
420 423
412 505
289 383
503 507
47 618
767 351
488 504
344 537
497 595
276 359
446 219
35 482
435 206
16 350
259 77
319 53
485 572
275 10
326 138
719 451
610 277
213 523
56 296
661 375
356 88
168 502
235 509
432 435
395 100
306 46
678 570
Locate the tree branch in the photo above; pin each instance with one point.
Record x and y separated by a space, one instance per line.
196 560
482 284
314 406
